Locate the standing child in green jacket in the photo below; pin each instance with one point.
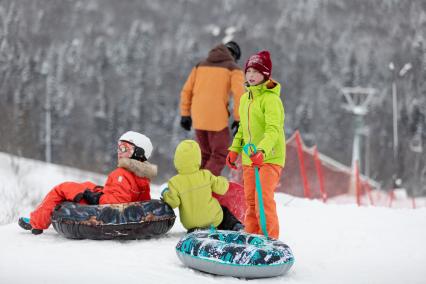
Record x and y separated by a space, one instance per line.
191 190
262 124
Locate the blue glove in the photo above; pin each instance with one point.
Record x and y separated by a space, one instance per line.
164 191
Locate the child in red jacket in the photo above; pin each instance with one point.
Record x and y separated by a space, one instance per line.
129 182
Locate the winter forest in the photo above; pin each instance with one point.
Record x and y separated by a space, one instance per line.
74 75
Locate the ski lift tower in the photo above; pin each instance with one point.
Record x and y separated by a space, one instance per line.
358 100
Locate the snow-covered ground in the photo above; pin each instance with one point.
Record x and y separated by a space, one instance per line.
331 243
24 182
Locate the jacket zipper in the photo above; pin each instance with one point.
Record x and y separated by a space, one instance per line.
251 98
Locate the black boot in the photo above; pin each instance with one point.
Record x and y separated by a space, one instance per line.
24 223
230 222
36 231
238 227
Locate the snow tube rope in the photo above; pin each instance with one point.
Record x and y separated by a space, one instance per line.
236 254
136 220
258 189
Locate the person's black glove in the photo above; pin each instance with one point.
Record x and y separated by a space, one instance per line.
234 127
91 197
186 122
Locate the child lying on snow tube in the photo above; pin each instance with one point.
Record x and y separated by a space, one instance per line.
129 182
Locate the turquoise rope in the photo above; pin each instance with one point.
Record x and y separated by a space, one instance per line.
258 189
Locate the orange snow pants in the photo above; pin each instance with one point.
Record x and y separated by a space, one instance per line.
269 178
67 191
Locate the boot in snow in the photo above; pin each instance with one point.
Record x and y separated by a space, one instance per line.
238 227
24 223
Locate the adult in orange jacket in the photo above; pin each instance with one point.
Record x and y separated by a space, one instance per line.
204 103
129 182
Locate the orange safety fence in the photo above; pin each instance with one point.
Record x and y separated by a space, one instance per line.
308 173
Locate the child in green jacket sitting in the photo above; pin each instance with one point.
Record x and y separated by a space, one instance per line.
191 190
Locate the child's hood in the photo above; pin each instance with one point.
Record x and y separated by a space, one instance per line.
187 157
219 53
141 169
269 86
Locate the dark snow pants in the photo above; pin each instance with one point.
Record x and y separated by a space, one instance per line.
229 222
214 149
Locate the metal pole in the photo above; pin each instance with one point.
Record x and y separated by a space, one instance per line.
357 138
395 120
48 129
357 101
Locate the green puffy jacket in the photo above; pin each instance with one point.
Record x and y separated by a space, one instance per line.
262 123
191 189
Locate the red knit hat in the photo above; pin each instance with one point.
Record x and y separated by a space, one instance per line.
261 62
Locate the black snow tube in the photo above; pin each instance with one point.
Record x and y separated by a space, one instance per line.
127 221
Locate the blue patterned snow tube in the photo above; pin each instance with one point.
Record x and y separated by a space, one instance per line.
236 254
128 221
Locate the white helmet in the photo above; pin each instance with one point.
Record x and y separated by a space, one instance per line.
138 140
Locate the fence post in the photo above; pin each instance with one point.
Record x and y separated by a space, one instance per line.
391 197
367 186
357 184
306 190
319 175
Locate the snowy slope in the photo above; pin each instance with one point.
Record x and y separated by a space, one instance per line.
24 182
331 244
